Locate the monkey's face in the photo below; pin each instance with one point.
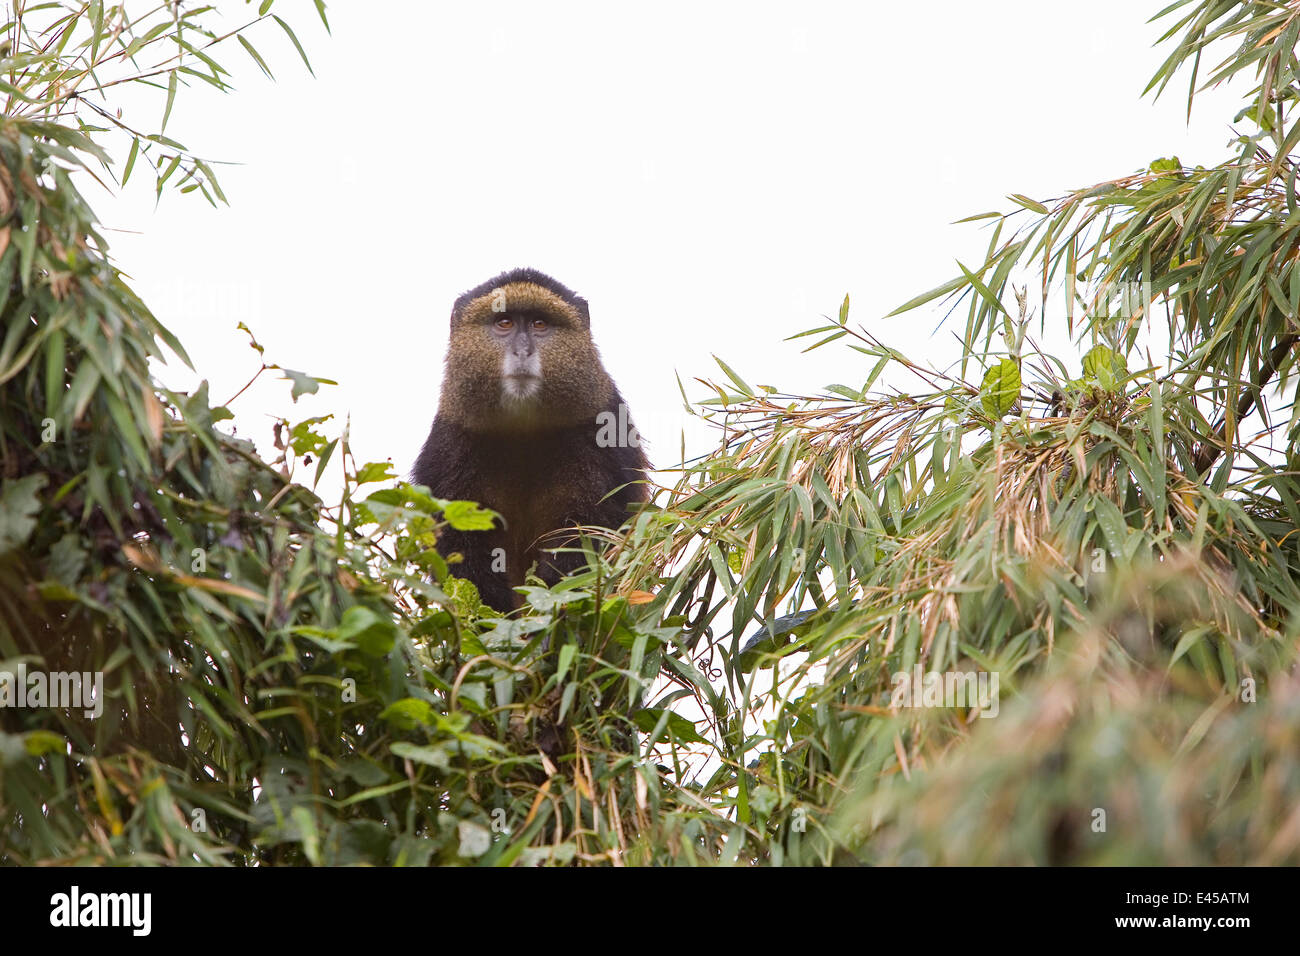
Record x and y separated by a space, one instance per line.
521 358
521 337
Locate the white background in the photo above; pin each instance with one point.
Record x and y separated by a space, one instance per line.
712 177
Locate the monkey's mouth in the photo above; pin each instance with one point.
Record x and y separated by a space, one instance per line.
521 386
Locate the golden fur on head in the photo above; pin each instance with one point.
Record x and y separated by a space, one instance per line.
520 297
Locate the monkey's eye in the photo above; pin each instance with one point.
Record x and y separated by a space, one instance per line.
505 323
540 325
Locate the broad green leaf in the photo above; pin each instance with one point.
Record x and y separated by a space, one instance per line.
1000 389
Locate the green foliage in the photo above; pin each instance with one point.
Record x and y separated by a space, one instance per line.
284 680
288 680
1000 389
1104 366
1123 554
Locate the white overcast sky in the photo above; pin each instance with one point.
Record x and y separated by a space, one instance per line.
713 177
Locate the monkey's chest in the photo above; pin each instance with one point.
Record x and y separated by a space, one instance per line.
532 515
537 504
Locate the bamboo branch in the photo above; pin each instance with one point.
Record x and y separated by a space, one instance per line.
1215 445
